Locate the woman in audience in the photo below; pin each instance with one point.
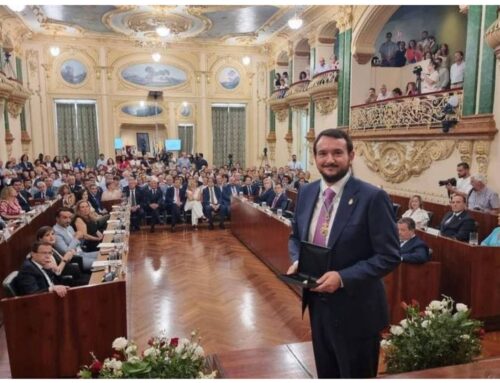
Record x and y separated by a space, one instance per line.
110 164
87 226
396 92
411 89
79 164
302 76
419 53
193 202
66 164
494 238
430 80
411 52
64 264
68 198
277 80
428 55
416 212
9 206
57 163
444 54
112 191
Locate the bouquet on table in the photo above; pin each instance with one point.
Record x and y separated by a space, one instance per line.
442 335
165 358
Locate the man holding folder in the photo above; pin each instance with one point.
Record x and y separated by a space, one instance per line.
351 225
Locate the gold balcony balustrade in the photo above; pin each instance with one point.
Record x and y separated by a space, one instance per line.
6 89
298 95
17 99
279 104
323 90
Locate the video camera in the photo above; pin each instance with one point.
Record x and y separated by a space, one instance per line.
451 181
417 70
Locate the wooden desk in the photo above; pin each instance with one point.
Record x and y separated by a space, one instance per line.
470 275
292 194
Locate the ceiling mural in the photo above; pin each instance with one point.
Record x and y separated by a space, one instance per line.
232 24
140 110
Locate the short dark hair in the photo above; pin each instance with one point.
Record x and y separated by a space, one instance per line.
465 165
464 198
37 244
409 222
338 134
42 231
63 209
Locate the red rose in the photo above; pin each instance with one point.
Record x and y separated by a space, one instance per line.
422 313
174 342
415 303
95 367
151 341
404 306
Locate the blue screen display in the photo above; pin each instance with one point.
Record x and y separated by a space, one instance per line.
173 145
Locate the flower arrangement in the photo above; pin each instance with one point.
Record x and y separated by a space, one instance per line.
165 358
442 335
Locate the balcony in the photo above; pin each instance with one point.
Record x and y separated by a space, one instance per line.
298 95
279 104
323 90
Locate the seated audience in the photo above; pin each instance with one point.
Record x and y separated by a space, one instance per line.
212 198
9 205
174 201
416 212
413 249
193 203
43 193
280 199
322 66
36 275
68 198
134 196
112 191
152 203
23 196
231 189
411 89
88 227
464 185
443 54
457 223
267 195
384 94
494 238
481 197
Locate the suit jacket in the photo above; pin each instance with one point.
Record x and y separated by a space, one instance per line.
227 193
31 280
267 197
150 197
254 190
364 246
206 196
280 203
95 201
26 167
65 239
139 194
23 199
75 188
415 251
169 196
459 227
49 194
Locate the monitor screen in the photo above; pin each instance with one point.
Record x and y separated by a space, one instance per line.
173 145
118 143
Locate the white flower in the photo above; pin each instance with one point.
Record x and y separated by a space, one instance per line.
425 324
199 352
151 351
113 364
385 343
435 305
182 345
461 307
120 343
397 330
404 323
134 359
131 349
465 336
212 375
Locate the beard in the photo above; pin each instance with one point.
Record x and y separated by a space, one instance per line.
332 178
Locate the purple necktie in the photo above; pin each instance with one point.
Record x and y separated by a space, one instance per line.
320 234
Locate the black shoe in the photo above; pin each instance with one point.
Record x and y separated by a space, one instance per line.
211 226
222 226
152 230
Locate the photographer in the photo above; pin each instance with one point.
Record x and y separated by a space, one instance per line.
463 184
430 80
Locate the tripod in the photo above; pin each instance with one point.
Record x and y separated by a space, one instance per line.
264 158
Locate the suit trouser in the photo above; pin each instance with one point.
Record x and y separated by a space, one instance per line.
175 210
136 217
155 215
336 355
210 212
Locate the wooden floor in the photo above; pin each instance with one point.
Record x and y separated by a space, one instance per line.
207 280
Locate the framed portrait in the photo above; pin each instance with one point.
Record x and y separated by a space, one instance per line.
143 142
73 72
229 78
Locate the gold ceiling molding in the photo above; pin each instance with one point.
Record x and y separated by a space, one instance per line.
492 37
344 17
146 24
397 162
464 147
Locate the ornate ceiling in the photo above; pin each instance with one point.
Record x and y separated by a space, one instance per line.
233 25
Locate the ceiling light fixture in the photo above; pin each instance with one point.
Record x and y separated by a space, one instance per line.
185 104
54 51
295 22
16 7
156 57
163 31
142 104
245 60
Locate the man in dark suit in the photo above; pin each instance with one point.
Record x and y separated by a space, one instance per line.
175 197
413 249
355 222
36 276
23 196
95 199
212 204
248 189
280 199
268 194
457 223
231 189
73 186
135 197
43 193
152 203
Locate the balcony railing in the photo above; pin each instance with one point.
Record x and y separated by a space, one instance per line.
324 78
425 110
279 104
323 90
297 95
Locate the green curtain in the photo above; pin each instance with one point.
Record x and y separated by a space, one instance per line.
228 124
87 131
66 129
185 134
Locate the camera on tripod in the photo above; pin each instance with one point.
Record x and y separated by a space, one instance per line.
417 70
451 181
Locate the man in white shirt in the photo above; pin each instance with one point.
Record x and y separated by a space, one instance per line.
457 70
100 161
384 94
294 164
464 185
322 67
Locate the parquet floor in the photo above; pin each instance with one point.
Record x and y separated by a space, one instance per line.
207 280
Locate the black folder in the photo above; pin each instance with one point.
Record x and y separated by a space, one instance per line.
313 263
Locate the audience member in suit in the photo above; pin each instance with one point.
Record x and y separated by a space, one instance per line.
25 165
231 189
248 189
23 197
152 203
36 276
73 186
174 201
95 199
67 238
43 193
457 223
280 199
267 195
135 197
212 204
413 249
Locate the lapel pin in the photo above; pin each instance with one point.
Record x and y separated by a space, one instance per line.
351 201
